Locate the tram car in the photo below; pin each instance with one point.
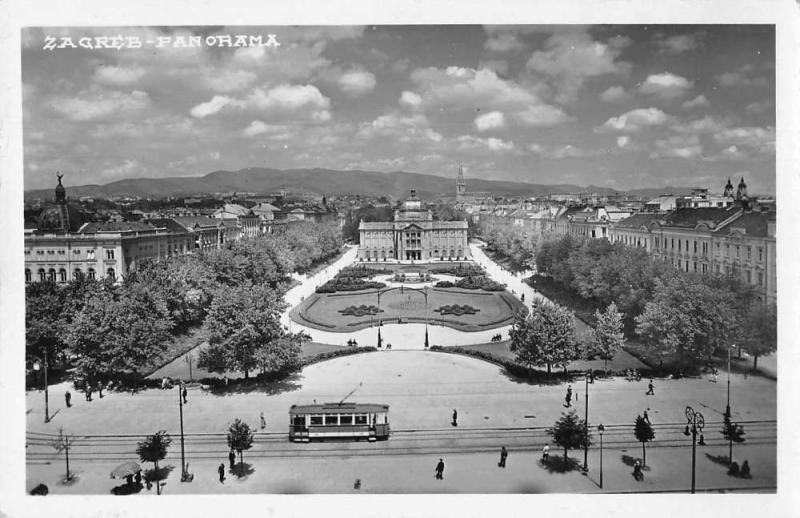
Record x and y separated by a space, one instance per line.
338 421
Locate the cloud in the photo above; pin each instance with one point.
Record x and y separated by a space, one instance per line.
744 76
759 138
410 99
569 58
623 141
467 142
759 106
729 153
677 147
614 94
666 85
468 89
698 102
707 124
258 127
117 76
635 120
499 66
230 80
96 104
405 128
677 44
503 42
213 106
559 152
357 82
282 99
490 121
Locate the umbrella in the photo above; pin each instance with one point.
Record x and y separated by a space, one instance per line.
125 469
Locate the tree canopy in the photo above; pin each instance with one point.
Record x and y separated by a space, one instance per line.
570 432
545 337
154 447
240 438
644 433
607 337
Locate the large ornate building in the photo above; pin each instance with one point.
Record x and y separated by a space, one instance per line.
413 235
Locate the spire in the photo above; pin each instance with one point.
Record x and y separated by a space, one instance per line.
741 191
461 184
728 189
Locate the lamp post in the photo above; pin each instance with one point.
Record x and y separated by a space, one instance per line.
600 430
183 455
36 367
696 421
728 404
189 361
586 425
425 292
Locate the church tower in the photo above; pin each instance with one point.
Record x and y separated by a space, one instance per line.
728 193
741 190
461 185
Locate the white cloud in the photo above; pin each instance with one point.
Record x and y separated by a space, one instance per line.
571 57
410 99
230 80
707 124
357 82
755 137
499 66
541 115
666 85
635 120
614 94
405 128
678 147
490 121
559 152
503 42
623 141
96 104
698 102
493 144
213 106
678 44
758 106
258 127
118 76
744 76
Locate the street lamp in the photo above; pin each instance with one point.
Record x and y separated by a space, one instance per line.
184 474
36 367
586 426
600 430
728 404
696 420
425 292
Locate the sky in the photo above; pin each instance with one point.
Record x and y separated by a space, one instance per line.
619 106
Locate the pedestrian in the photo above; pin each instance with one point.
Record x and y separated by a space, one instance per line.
263 421
546 453
744 472
231 458
568 397
503 456
455 418
646 417
68 398
650 391
440 470
637 471
226 382
637 374
138 478
733 470
523 297
100 389
183 393
88 392
221 471
714 376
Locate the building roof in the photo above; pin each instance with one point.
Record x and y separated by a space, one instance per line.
376 225
169 223
637 221
117 226
691 217
189 222
752 224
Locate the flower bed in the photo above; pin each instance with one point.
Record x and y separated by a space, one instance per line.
360 311
456 310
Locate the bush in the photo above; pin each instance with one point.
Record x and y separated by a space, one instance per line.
444 284
481 282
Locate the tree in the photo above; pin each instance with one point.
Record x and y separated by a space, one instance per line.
570 433
154 448
607 334
761 330
44 320
63 443
281 353
643 431
545 337
240 323
733 433
240 438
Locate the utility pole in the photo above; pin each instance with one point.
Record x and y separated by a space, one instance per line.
586 426
46 393
183 456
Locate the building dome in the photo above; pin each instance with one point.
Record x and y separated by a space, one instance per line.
60 216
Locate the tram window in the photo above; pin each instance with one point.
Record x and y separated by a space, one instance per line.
361 419
346 419
332 419
299 420
316 419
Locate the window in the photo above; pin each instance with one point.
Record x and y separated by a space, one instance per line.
91 274
760 254
346 419
51 275
694 243
737 251
28 275
110 274
316 419
361 419
679 245
705 268
77 274
62 275
673 243
90 255
749 252
42 275
760 278
695 266
61 252
331 419
76 251
749 276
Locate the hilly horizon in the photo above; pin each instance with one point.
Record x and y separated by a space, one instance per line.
323 181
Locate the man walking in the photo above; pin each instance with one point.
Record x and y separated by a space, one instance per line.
569 396
646 417
503 456
263 421
184 392
88 392
650 391
455 418
68 398
232 459
546 453
440 470
100 389
221 471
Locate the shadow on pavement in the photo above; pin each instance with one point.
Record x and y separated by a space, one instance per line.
718 459
538 379
242 469
271 388
557 464
126 489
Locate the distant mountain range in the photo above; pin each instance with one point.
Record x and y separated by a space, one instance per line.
322 181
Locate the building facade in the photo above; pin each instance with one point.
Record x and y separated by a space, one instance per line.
413 236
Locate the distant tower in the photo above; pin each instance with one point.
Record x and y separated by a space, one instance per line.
741 190
461 184
728 189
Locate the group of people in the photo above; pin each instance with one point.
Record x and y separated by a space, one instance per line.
87 391
352 342
497 337
633 375
736 471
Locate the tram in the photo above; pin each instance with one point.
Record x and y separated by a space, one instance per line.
338 421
